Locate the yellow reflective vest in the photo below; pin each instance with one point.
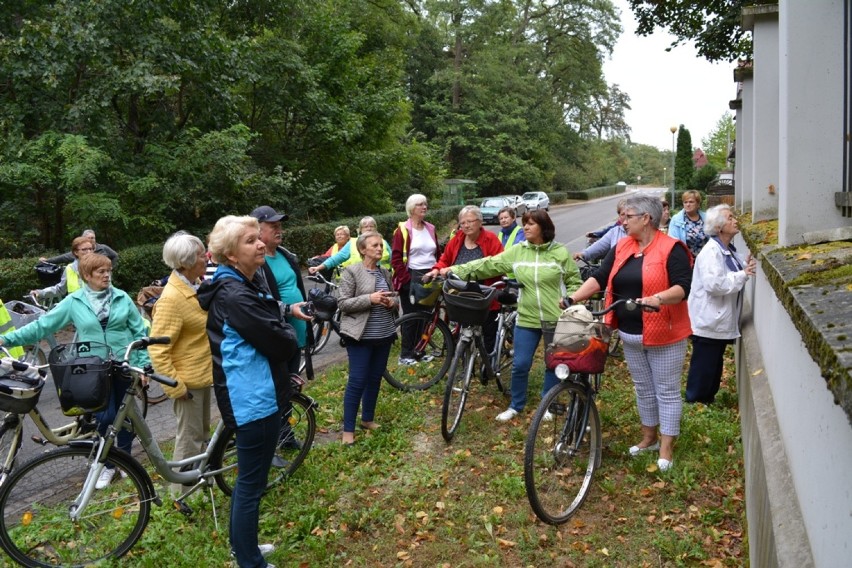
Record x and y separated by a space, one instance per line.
6 326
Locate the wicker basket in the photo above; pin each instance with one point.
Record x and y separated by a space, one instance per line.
468 303
82 376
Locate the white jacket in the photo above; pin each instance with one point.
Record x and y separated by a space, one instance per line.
714 305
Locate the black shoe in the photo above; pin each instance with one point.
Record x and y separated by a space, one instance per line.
291 443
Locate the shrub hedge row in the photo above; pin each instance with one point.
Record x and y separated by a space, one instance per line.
139 265
595 192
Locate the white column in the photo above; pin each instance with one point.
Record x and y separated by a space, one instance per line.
810 117
765 174
745 142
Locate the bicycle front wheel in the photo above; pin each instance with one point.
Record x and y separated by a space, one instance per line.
562 452
35 525
322 331
505 353
431 351
10 443
458 386
295 441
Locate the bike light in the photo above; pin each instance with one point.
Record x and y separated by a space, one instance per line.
562 371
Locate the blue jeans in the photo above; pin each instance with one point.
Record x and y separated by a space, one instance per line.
256 443
367 364
124 438
526 342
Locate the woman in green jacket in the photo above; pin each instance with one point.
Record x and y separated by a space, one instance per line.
548 273
102 314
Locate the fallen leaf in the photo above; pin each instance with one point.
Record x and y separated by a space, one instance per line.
506 543
604 551
806 256
756 373
439 505
651 468
420 514
498 510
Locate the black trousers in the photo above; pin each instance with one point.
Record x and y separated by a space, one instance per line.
705 369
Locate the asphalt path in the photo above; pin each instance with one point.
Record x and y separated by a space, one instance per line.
572 222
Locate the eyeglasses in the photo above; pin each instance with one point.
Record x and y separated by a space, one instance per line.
102 272
632 215
468 222
88 249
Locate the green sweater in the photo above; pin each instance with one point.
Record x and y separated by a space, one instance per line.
547 272
124 324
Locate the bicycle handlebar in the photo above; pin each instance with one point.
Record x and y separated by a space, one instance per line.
143 344
320 279
629 304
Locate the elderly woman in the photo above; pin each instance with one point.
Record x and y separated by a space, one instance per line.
103 314
186 358
471 243
251 345
656 269
414 250
688 224
349 253
546 271
715 303
70 281
510 232
368 308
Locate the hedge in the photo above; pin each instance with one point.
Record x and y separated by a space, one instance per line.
596 192
139 265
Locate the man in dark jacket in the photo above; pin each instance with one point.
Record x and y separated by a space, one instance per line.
100 248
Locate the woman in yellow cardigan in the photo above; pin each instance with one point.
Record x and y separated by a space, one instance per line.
187 358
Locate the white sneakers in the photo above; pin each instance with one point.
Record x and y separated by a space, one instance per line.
507 415
636 450
266 549
664 464
106 477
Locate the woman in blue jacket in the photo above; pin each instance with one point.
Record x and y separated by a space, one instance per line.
688 224
251 344
100 313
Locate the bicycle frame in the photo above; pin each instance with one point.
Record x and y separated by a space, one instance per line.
61 436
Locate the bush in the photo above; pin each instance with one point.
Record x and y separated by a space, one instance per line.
702 178
19 277
138 266
558 197
595 192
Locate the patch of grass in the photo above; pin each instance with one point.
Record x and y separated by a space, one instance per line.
401 496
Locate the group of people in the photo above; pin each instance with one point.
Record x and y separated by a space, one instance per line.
242 331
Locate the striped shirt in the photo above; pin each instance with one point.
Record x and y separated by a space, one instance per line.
380 324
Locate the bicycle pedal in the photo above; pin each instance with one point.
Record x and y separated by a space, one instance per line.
39 440
182 508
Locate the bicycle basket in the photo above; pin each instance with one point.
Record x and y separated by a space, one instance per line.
20 386
22 313
576 340
325 305
48 274
426 293
468 302
82 376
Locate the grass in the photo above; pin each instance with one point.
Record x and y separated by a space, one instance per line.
403 497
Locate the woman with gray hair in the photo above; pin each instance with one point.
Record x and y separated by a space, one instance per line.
471 242
178 316
414 250
349 253
656 270
715 303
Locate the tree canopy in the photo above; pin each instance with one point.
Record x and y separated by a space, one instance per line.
140 118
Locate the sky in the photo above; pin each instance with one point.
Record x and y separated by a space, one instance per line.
667 88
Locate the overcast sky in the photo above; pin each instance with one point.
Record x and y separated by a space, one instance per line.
667 88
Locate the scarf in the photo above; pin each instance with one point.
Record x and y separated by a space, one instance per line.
731 260
100 301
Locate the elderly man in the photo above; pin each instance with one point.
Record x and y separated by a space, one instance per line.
68 257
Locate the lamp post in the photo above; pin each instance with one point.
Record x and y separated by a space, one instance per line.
674 130
664 177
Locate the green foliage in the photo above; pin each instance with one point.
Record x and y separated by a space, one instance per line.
19 277
715 27
684 166
138 266
596 192
702 178
718 143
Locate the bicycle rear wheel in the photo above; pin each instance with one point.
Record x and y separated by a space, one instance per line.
562 453
433 348
505 355
36 528
301 427
458 386
322 331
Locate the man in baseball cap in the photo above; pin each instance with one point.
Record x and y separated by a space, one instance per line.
266 214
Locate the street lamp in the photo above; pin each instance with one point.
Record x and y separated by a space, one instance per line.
674 130
664 177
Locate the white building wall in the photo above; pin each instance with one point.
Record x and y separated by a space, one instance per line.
745 145
765 150
810 118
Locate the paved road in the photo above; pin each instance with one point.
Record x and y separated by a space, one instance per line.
572 223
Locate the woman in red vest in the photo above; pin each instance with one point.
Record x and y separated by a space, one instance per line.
657 270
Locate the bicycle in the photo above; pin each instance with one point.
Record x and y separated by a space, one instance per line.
18 375
323 328
432 337
50 514
25 311
596 303
563 447
468 303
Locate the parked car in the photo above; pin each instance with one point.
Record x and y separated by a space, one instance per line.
536 200
491 206
517 203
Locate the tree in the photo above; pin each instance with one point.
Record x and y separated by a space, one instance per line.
684 167
714 25
718 143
